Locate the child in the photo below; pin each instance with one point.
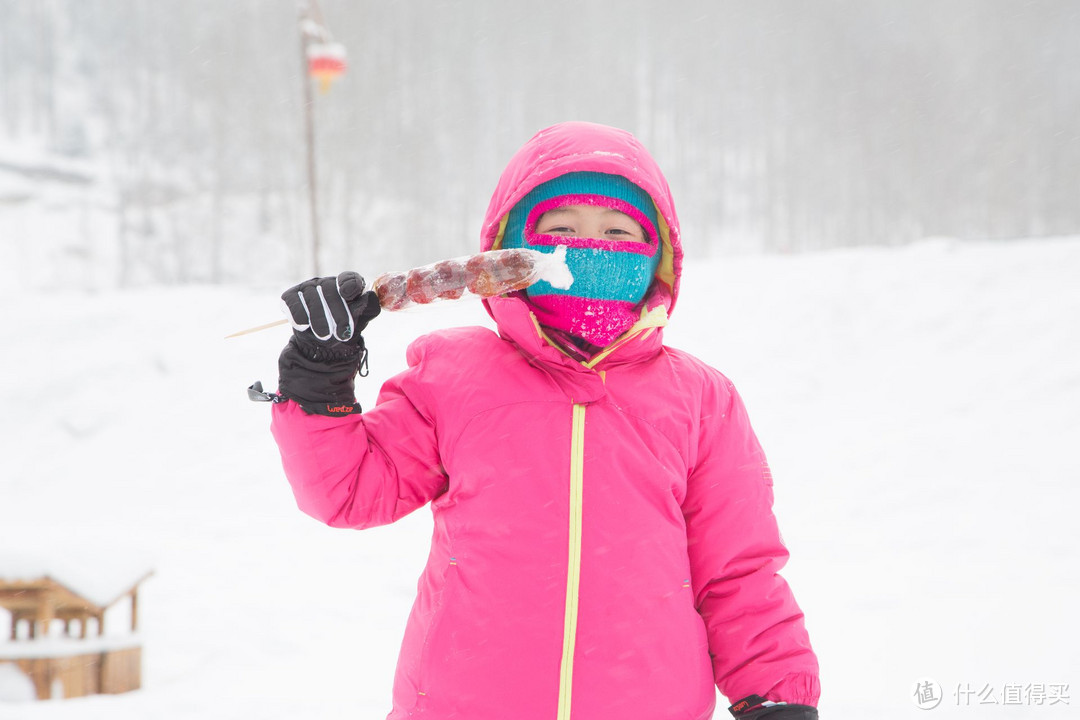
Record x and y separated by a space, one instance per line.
604 543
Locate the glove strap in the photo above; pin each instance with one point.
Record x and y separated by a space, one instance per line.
257 394
363 371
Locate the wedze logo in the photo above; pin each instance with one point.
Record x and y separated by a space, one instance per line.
341 409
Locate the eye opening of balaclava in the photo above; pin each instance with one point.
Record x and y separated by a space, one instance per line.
611 277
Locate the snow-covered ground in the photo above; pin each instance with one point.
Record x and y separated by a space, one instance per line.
920 407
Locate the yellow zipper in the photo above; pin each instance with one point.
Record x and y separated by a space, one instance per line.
656 318
573 571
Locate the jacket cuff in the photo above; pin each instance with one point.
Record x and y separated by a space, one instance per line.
329 409
798 688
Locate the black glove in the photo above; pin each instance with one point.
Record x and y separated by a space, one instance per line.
318 366
754 708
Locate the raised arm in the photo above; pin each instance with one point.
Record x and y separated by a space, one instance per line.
348 469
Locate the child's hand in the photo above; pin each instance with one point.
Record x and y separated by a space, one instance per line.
318 366
331 310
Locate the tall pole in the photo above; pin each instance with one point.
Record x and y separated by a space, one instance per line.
306 22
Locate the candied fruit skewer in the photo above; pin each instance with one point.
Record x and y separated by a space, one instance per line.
484 274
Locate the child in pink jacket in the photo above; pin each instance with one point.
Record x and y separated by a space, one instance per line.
604 543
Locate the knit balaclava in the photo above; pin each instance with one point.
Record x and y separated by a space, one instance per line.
611 277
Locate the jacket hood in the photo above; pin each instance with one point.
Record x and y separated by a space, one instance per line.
589 147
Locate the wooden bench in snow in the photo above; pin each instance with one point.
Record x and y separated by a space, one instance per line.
57 646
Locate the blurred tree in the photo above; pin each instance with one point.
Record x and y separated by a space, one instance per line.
782 126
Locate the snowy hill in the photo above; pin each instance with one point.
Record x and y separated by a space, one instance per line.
920 407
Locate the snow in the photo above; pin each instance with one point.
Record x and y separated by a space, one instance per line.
56 647
15 686
78 571
920 407
552 268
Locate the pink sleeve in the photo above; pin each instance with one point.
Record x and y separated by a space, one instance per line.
757 638
363 470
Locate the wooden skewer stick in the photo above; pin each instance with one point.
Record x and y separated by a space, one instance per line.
267 326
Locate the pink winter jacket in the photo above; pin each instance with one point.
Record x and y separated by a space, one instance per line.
604 544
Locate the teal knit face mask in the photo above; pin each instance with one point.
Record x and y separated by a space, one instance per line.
611 274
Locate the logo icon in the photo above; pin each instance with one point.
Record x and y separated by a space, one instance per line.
926 694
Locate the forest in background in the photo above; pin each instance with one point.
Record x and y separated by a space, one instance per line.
161 141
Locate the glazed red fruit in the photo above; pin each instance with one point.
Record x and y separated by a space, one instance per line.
485 274
498 272
419 285
449 279
390 289
476 275
513 270
470 273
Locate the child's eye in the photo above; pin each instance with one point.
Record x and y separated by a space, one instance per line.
624 234
559 230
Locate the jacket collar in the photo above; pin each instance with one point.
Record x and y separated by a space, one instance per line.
582 381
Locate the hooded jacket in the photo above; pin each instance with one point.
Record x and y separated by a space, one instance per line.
604 544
